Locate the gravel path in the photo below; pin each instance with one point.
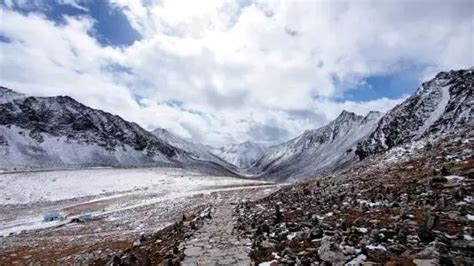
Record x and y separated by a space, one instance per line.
215 243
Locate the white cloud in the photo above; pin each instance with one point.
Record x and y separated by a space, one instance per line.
265 70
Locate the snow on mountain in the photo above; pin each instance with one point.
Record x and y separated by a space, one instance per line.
242 155
59 132
195 150
439 105
7 95
318 150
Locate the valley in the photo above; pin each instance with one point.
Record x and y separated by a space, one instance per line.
101 210
79 185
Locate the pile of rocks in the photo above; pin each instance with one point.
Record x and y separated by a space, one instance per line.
163 247
416 210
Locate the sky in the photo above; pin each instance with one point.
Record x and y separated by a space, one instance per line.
221 72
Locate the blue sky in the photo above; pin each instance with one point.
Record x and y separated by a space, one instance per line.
390 85
111 26
220 72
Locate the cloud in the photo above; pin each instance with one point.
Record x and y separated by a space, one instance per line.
261 70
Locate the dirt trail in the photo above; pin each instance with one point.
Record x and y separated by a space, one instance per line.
215 243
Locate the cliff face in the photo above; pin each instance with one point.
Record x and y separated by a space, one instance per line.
316 151
439 105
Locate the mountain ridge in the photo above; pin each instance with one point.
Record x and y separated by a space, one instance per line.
196 150
242 155
316 150
58 132
442 104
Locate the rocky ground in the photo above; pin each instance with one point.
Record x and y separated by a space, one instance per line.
152 226
413 205
216 243
206 237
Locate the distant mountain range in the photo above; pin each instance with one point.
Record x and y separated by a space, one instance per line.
242 155
59 132
195 150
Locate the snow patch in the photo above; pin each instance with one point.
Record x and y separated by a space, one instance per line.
357 260
454 177
379 247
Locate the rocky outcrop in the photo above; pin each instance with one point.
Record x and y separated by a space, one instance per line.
415 209
316 151
59 132
439 105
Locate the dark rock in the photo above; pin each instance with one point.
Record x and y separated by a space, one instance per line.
425 231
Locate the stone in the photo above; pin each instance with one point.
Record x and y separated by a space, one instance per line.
136 243
316 233
329 251
426 262
425 231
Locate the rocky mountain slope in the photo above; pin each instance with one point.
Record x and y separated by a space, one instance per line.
59 132
195 150
242 155
410 206
316 151
439 105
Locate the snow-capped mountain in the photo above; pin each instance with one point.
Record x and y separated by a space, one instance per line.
318 150
59 132
195 150
242 155
439 105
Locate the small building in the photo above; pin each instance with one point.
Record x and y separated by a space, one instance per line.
51 216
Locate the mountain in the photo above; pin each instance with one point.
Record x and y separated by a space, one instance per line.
440 105
316 151
242 155
59 132
195 150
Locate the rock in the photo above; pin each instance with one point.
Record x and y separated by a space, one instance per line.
278 215
314 220
444 171
263 228
329 251
358 260
426 262
429 252
316 233
439 179
459 193
425 232
136 243
267 244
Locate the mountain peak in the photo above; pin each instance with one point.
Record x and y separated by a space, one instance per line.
7 95
346 113
441 104
242 155
346 117
317 150
161 130
371 115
